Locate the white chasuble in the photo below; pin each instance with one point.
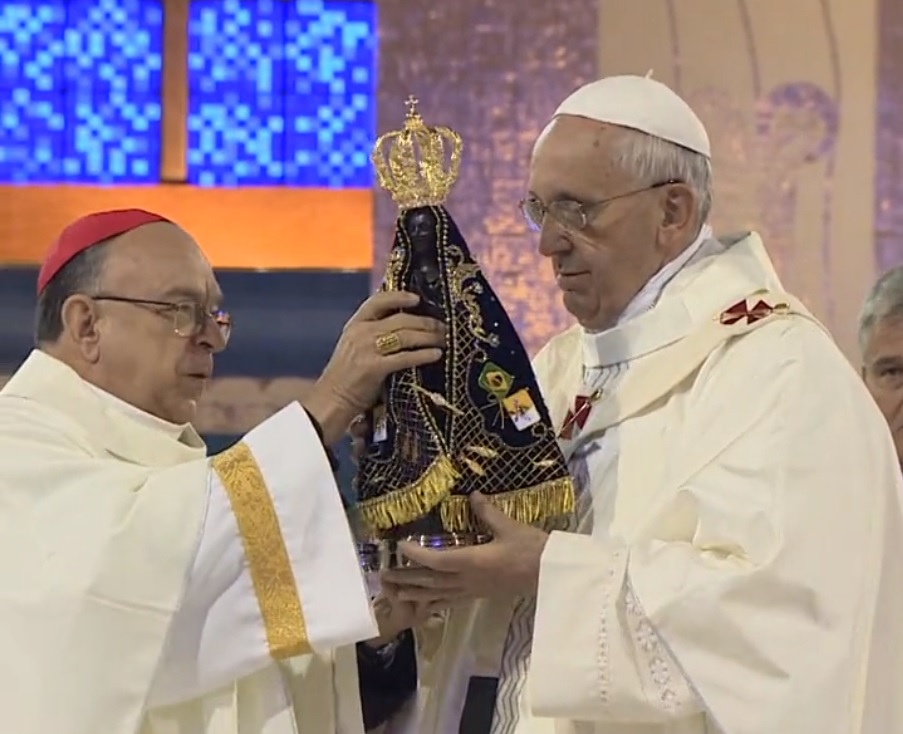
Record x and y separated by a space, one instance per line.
590 466
740 574
147 588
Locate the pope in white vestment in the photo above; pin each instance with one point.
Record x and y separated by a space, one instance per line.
735 563
144 587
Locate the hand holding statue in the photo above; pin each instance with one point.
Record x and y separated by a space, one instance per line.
378 340
508 565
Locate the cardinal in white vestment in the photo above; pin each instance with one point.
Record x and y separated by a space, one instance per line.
146 587
733 566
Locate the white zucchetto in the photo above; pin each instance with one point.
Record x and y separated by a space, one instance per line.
640 103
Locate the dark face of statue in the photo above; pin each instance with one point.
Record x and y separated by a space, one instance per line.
426 279
421 228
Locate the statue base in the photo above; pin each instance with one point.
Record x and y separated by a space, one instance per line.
381 555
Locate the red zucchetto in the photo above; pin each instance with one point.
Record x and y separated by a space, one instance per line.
88 231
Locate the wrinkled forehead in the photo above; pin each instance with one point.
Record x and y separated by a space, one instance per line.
885 338
575 154
157 258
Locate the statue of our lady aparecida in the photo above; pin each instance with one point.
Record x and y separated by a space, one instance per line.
473 421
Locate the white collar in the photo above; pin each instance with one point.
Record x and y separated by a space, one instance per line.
716 277
649 294
174 430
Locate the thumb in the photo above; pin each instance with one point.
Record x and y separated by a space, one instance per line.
491 516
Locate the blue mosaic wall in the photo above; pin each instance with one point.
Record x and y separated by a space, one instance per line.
281 92
80 90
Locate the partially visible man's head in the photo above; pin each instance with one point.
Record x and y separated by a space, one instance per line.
136 314
881 345
613 195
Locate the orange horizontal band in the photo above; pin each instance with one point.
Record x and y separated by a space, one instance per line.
269 228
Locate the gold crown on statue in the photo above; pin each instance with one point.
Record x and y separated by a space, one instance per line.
414 168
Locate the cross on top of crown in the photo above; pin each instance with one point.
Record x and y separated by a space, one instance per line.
418 164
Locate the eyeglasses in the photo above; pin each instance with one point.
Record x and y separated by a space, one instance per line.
189 318
574 215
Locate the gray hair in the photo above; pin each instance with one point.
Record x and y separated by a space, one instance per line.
884 300
653 160
80 275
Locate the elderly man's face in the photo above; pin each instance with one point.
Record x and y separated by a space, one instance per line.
137 355
600 268
883 372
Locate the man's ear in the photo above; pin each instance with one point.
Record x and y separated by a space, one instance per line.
678 206
678 214
79 318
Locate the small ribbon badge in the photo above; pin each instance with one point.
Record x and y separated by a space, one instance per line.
576 417
741 310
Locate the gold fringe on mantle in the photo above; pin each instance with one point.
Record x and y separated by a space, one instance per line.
406 504
554 498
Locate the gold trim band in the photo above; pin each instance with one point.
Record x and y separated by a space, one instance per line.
268 561
547 501
406 504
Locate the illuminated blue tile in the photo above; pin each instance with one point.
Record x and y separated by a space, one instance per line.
281 92
80 90
330 109
235 91
113 77
32 109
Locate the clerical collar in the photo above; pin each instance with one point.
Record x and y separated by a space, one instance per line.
595 344
174 430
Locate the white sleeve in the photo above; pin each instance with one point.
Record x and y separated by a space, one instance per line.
748 587
276 572
600 659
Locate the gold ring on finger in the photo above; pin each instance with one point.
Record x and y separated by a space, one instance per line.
388 343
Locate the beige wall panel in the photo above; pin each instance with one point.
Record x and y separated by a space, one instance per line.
787 91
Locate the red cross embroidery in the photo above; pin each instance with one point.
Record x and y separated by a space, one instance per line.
741 310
